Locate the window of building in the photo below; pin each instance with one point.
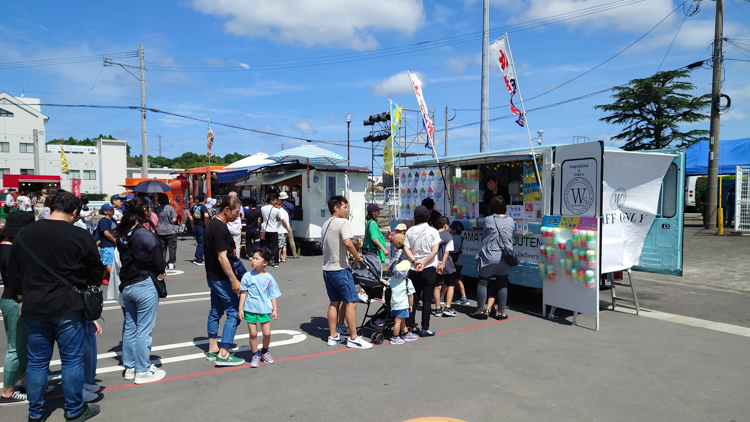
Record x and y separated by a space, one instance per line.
26 148
89 175
5 113
4 171
74 174
130 174
27 171
4 146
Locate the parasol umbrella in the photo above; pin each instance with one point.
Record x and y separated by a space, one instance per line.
311 155
152 186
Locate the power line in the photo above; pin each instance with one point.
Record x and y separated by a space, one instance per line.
672 43
62 61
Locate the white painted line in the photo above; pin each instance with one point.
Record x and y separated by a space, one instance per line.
174 272
690 321
200 299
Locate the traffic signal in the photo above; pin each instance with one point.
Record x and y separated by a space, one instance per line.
377 137
380 117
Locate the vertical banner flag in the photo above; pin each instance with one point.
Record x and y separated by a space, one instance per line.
63 162
388 149
426 121
210 140
500 51
75 187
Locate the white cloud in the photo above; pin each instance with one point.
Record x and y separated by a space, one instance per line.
304 127
395 85
215 62
346 23
243 65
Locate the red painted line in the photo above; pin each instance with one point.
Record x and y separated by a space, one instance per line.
215 371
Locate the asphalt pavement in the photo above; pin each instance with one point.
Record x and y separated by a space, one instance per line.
524 368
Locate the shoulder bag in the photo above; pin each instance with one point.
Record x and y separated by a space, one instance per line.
160 285
92 296
370 250
509 257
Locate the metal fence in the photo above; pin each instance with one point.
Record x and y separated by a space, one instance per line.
742 199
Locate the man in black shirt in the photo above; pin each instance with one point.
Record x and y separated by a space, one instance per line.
252 229
199 218
52 311
224 285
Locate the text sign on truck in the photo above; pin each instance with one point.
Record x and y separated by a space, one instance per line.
578 179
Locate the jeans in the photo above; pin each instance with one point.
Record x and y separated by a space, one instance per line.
223 300
494 286
89 353
68 332
15 331
199 239
169 243
424 286
141 304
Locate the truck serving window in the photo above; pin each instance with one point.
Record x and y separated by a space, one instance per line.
668 195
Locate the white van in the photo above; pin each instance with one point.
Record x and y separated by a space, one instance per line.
690 192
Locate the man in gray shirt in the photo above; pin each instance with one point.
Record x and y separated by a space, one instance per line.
335 242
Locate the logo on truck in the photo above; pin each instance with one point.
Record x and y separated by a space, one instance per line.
578 195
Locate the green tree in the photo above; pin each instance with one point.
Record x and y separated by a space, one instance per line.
653 108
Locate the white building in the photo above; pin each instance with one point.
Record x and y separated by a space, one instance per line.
23 150
158 173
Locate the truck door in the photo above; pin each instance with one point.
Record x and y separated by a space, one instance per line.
662 250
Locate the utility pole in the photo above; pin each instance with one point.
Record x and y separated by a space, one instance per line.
713 155
348 123
142 79
160 146
446 131
484 144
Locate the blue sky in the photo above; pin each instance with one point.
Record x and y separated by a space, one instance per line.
230 61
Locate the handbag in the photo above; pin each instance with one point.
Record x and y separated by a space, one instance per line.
508 256
239 269
92 296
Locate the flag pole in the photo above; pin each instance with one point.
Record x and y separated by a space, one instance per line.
523 110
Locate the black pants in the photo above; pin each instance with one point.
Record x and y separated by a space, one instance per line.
424 287
169 242
252 242
271 242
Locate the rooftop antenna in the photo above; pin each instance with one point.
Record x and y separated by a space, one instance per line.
23 89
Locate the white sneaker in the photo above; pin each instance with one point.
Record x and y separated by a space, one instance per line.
332 341
91 388
363 296
342 330
129 373
152 375
170 267
88 396
358 343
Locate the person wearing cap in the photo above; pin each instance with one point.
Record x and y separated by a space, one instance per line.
400 229
421 247
116 202
105 228
289 207
373 236
15 332
432 219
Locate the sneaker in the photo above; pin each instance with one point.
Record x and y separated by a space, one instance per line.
88 396
198 262
448 312
426 333
363 296
211 356
267 357
152 375
342 330
170 266
42 418
89 411
105 282
397 340
255 360
332 341
439 312
128 373
275 265
462 301
358 343
230 360
411 337
91 388
16 398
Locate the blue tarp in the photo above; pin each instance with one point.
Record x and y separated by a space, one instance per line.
732 153
236 174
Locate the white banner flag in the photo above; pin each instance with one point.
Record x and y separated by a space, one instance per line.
632 182
426 121
499 50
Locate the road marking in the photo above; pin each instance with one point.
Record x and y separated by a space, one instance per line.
296 337
174 272
737 330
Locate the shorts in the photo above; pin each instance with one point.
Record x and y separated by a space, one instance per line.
447 279
282 240
340 286
457 274
108 255
401 313
253 318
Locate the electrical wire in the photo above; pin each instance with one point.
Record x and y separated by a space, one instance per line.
62 61
741 10
93 85
672 43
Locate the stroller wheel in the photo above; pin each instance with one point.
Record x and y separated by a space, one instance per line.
360 331
377 338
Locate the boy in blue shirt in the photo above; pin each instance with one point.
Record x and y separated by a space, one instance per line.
258 305
107 248
402 302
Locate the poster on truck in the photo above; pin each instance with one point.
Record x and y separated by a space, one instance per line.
418 184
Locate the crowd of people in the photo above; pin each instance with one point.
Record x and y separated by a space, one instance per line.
46 262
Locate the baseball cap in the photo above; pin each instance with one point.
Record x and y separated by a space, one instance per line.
402 269
373 207
421 212
283 195
107 207
113 197
457 225
401 226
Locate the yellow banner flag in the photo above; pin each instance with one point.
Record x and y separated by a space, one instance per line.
388 149
63 162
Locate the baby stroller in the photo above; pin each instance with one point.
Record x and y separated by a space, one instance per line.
368 275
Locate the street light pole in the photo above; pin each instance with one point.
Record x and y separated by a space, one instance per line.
348 124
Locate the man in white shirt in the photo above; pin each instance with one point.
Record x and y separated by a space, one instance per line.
284 229
269 228
23 201
421 247
336 241
10 200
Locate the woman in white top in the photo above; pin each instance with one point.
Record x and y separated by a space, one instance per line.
269 228
421 247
